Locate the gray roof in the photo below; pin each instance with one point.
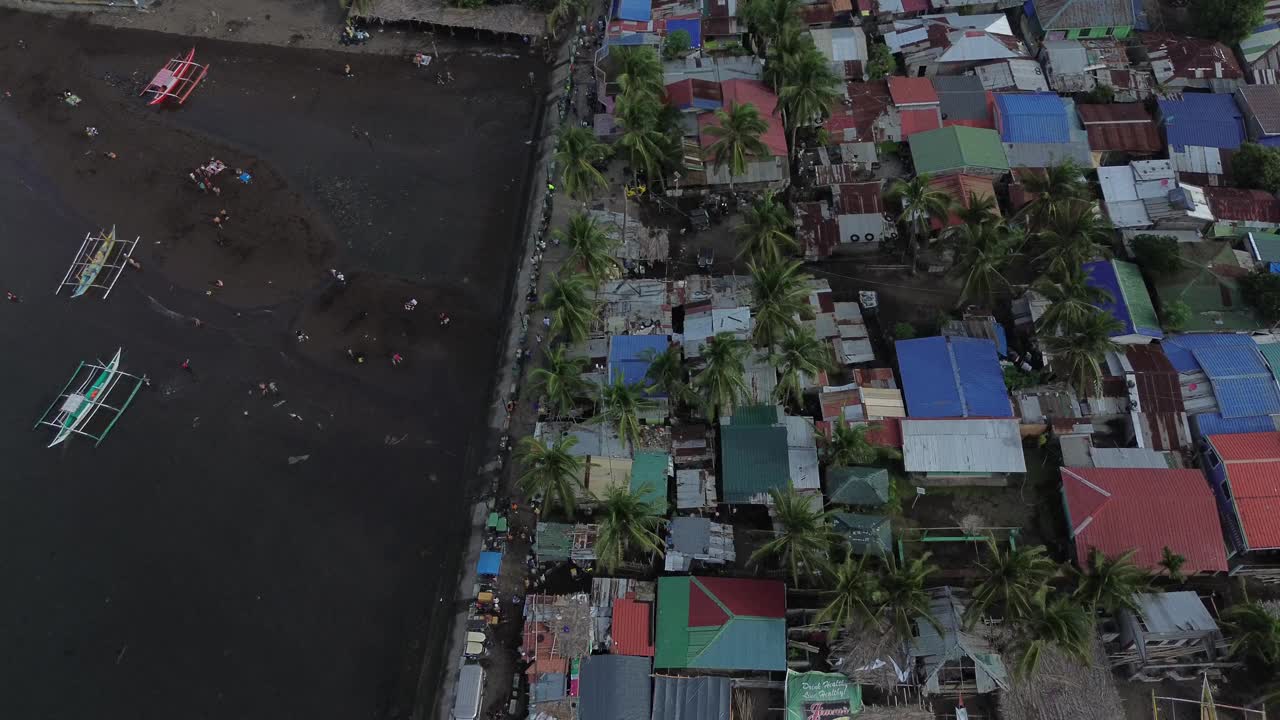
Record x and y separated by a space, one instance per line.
962 446
1173 612
1068 14
549 686
935 651
865 533
858 485
713 69
691 698
614 687
1132 458
690 535
962 97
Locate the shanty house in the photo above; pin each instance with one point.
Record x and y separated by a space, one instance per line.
1120 128
1239 208
1130 303
1115 510
1073 19
1181 62
1261 49
1168 636
719 623
697 539
1202 130
917 104
1040 130
962 452
963 101
1260 105
1244 470
845 48
864 115
860 214
949 150
1016 75
952 377
953 659
1147 194
964 189
1075 66
616 687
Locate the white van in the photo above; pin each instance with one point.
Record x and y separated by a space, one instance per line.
470 689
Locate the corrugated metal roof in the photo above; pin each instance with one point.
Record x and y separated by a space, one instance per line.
614 687
628 357
1120 509
962 97
952 646
690 535
1080 14
1032 118
1173 612
1253 472
1130 302
1241 380
1131 458
548 687
651 467
747 631
911 91
962 446
1203 119
1215 424
864 533
802 453
696 698
631 630
1120 126
1179 348
974 387
640 10
1244 206
858 485
957 148
1271 353
754 460
917 121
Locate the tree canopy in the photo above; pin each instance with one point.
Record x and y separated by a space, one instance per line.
1228 21
1262 291
1257 166
1157 253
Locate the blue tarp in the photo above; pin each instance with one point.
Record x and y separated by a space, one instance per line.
1273 268
948 377
639 10
1204 119
1033 118
693 27
629 356
490 563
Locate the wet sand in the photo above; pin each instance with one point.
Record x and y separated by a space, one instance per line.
185 567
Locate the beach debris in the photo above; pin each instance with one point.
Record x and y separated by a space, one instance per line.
302 336
295 459
390 441
295 416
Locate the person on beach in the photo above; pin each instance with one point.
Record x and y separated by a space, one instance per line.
444 319
12 296
186 365
396 358
411 304
302 337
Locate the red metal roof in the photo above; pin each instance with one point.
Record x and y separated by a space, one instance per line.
745 597
911 91
1237 204
917 121
756 93
1120 509
1253 472
1120 126
962 188
632 630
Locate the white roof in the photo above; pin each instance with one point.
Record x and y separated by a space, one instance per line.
802 453
899 39
971 45
1197 159
996 23
841 44
1015 74
962 446
700 327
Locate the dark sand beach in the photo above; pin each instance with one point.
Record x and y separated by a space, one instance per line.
186 568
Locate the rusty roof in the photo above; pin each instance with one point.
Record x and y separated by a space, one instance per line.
854 122
1192 58
1243 205
1158 385
1120 126
963 188
860 198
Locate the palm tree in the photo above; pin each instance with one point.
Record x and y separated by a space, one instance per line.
804 543
560 381
1109 583
550 471
590 248
626 523
769 19
621 406
979 209
784 50
905 597
799 355
1077 355
767 231
639 70
847 445
562 11
1011 580
666 373
921 203
1059 623
779 295
572 309
1058 183
722 384
1171 563
648 149
1075 235
854 596
983 251
809 89
737 133
1254 630
577 152
1072 300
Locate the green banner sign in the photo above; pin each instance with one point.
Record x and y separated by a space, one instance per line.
822 696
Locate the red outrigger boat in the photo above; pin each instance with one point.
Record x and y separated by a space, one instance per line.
177 79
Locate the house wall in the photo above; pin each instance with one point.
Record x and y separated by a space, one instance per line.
1217 474
956 480
1119 31
1268 65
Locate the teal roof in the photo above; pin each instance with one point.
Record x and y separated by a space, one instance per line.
552 541
866 534
753 460
1265 246
1272 353
756 415
1262 40
858 486
956 148
721 624
650 467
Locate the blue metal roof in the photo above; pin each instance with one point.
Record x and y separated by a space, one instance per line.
640 10
1179 348
1204 119
490 563
629 356
1242 381
1215 424
1032 118
693 27
1102 275
947 377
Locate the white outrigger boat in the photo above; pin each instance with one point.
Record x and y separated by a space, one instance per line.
72 413
98 264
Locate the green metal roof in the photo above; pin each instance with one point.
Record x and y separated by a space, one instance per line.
651 467
865 533
754 460
858 485
1136 297
1257 44
552 541
1214 295
756 415
1267 246
957 147
1272 354
740 642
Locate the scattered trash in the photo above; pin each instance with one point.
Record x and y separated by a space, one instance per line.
295 459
